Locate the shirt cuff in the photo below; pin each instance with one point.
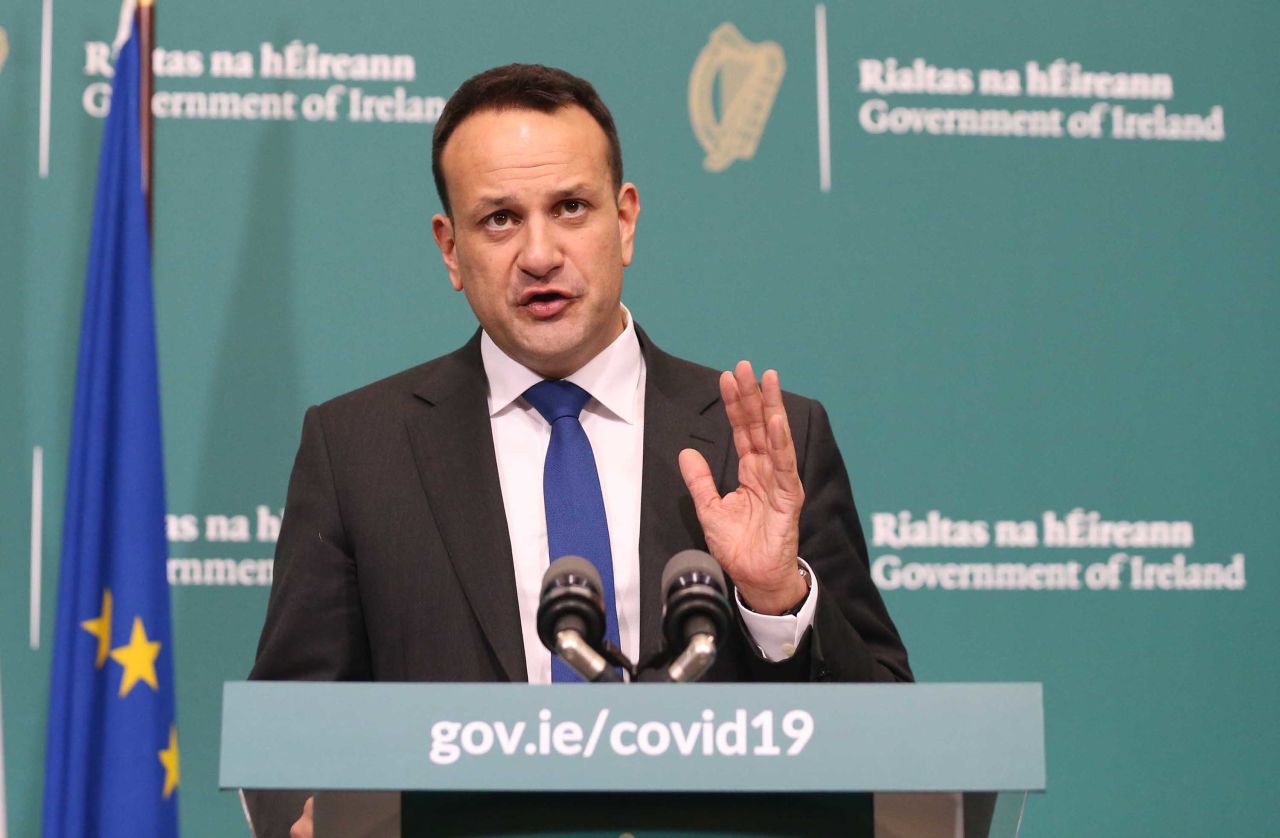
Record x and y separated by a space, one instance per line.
778 636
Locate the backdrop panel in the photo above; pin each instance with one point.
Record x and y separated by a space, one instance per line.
1024 253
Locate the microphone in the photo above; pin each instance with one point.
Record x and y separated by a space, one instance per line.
695 612
571 617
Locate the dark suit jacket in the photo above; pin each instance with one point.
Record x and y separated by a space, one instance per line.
394 561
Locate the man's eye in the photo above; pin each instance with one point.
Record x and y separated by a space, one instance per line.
573 207
499 220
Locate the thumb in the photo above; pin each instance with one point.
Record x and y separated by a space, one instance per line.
698 479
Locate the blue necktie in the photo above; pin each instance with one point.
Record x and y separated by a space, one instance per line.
576 523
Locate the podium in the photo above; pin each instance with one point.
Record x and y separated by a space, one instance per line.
647 759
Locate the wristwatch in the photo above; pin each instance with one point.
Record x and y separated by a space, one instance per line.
808 585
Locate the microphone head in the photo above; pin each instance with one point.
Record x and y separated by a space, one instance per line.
571 568
694 600
690 566
571 599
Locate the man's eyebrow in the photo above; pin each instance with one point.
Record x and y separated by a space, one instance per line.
571 191
499 201
485 201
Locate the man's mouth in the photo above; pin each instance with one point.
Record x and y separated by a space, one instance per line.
546 304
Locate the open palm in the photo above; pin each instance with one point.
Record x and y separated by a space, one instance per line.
754 531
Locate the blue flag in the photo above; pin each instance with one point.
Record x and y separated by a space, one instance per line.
112 756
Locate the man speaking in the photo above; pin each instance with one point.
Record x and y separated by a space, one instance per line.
423 509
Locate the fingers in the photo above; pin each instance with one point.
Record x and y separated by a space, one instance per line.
733 408
782 455
751 407
698 479
771 396
752 403
744 406
782 449
303 827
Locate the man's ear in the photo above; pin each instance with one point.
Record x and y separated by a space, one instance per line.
442 229
628 213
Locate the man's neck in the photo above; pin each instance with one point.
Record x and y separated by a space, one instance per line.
611 376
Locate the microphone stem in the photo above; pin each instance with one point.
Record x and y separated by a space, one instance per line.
584 660
695 660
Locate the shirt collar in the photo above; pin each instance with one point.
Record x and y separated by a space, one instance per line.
611 377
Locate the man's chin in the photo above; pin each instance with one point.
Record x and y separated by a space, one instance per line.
558 347
552 358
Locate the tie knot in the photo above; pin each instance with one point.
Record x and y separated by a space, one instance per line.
557 399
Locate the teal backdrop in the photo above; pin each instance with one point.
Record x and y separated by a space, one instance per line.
1010 315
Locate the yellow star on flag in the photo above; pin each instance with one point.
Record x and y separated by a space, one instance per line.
100 627
169 759
138 659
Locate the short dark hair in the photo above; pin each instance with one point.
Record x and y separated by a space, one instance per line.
514 86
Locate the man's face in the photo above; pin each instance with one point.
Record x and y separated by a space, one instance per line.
538 238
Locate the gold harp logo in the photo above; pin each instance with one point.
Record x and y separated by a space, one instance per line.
744 78
4 48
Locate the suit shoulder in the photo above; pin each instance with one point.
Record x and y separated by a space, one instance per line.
681 369
387 397
683 374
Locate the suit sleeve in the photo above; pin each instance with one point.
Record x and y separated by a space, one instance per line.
852 637
314 629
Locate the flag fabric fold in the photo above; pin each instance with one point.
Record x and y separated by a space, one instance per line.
112 766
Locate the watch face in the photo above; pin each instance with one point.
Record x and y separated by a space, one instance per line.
804 574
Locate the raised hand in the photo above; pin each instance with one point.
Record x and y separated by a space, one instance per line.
754 531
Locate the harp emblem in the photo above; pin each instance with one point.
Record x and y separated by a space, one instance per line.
731 91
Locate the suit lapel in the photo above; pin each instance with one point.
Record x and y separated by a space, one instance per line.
452 444
678 402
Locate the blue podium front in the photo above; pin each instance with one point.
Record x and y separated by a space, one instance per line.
775 759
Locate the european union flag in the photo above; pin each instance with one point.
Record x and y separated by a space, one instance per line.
112 756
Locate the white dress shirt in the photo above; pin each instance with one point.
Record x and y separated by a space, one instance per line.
613 420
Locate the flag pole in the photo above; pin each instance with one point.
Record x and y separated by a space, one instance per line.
146 83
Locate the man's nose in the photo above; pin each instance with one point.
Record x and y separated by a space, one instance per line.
540 251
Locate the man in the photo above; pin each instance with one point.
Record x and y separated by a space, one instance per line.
415 533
